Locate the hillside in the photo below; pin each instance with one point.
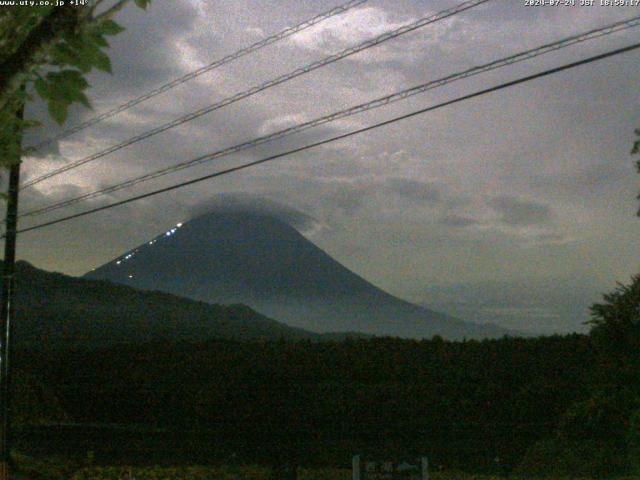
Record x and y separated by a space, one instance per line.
58 310
259 260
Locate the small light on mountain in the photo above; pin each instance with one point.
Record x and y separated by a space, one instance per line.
173 230
179 225
168 234
118 262
130 276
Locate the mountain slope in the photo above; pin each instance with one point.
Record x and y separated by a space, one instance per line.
57 310
259 260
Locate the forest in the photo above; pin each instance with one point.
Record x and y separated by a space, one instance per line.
558 405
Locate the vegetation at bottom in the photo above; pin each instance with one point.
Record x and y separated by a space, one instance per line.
255 472
559 406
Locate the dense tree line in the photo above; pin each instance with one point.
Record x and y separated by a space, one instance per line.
478 405
560 404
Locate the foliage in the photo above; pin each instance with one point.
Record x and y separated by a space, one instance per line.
37 404
616 333
562 458
174 473
633 442
619 315
52 49
48 468
591 439
462 403
604 415
554 405
262 473
634 151
597 435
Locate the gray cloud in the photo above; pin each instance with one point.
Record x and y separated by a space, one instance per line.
420 192
453 220
239 202
516 212
349 200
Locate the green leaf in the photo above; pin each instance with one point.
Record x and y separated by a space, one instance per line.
65 86
101 61
98 40
109 27
142 3
82 98
61 89
68 54
91 54
58 111
62 54
42 88
73 78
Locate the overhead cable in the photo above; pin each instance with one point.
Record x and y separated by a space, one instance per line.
287 32
379 102
261 87
247 165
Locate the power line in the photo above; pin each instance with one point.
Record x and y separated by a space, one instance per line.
263 86
379 102
340 137
200 71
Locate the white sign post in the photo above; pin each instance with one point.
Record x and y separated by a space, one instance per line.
368 469
424 461
355 464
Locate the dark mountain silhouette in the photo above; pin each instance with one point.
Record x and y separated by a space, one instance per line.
55 310
260 260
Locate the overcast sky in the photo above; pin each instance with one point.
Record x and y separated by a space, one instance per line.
516 207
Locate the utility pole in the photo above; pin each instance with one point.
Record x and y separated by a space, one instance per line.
7 309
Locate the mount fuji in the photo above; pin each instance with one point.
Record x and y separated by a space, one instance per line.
260 260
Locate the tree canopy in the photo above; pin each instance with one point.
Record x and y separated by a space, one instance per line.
49 50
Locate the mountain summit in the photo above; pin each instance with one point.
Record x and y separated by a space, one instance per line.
262 261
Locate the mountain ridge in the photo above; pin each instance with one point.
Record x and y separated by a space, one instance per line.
56 310
262 261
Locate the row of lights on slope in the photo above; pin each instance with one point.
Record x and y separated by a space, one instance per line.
167 234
